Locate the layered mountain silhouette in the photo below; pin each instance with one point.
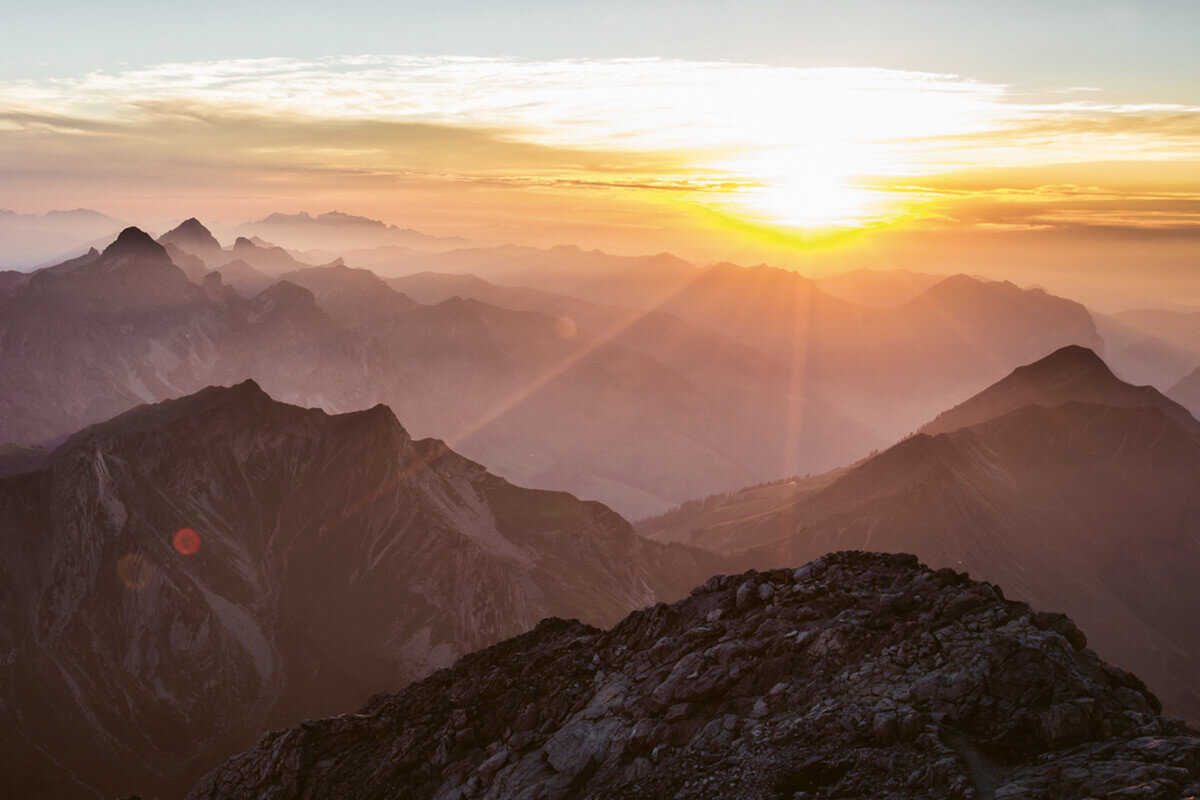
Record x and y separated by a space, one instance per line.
640 411
30 240
250 266
1069 488
703 380
354 297
180 578
857 675
343 232
890 367
193 238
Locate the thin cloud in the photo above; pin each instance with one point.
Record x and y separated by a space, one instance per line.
748 136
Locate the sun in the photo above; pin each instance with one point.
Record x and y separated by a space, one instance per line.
811 202
809 187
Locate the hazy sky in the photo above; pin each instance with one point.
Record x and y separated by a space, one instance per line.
1142 50
711 127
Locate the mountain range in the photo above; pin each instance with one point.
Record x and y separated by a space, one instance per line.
31 240
678 402
341 232
185 565
887 367
184 576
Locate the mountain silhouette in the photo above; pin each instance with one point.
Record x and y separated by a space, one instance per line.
1072 373
193 238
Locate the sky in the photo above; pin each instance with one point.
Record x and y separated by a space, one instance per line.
775 130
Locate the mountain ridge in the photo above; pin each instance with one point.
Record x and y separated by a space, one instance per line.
1076 505
855 675
324 557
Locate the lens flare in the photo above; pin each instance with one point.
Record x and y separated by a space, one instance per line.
186 541
135 571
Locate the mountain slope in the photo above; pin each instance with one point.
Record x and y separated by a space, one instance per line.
1085 507
356 297
1142 357
182 577
1187 391
1180 329
193 238
855 676
878 287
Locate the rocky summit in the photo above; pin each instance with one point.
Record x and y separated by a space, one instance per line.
857 675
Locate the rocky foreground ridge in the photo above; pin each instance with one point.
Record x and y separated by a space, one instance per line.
857 675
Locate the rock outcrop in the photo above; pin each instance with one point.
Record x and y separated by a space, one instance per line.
857 675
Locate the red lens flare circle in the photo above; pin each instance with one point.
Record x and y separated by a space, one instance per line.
186 541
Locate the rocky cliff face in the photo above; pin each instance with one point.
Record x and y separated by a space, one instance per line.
854 676
178 579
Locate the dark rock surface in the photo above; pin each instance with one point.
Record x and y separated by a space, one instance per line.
857 675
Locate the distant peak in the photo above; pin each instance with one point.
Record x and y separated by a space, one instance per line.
193 225
1073 356
133 240
248 386
279 217
132 235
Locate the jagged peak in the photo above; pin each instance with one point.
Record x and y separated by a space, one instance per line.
241 407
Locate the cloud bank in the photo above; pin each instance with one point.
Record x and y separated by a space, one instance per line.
770 145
